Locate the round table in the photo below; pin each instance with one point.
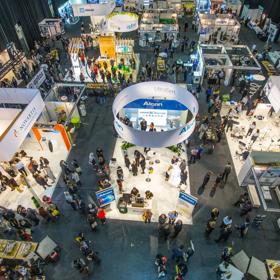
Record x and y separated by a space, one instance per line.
258 77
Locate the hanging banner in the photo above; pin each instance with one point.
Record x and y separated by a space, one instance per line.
122 22
38 80
160 90
107 46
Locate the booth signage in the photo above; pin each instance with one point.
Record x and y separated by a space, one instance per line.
107 46
21 127
102 9
105 197
38 80
156 104
187 198
146 91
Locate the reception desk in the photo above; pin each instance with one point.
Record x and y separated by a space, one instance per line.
135 208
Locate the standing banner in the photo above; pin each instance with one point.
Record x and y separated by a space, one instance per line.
37 80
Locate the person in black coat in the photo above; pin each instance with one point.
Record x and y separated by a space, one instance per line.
120 173
134 168
142 163
127 162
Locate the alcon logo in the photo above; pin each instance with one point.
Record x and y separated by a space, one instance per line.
153 104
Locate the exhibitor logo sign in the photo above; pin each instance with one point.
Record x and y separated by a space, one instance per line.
28 120
160 89
152 104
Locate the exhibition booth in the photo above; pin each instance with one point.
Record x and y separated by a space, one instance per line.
158 26
159 187
63 105
203 5
217 29
97 11
256 161
51 27
22 140
236 59
116 55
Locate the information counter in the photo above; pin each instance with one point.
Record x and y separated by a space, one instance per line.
140 208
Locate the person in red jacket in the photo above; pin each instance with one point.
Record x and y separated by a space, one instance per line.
101 215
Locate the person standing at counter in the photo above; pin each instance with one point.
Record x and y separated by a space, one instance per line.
226 172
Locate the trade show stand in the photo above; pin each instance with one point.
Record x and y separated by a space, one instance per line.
158 26
255 269
221 28
165 192
256 163
116 53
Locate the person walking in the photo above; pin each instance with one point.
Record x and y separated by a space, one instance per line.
177 254
210 226
227 221
101 215
177 228
193 155
76 178
218 181
226 172
243 228
242 199
225 232
215 213
206 179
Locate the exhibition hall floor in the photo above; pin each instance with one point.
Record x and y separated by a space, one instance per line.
166 193
11 199
128 248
